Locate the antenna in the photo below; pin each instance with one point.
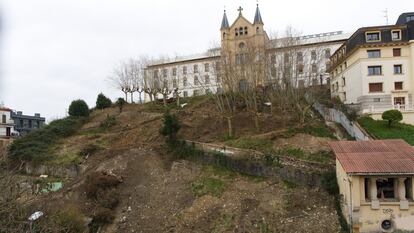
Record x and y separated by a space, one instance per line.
386 15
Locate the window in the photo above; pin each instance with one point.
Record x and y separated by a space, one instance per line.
398 86
377 100
218 67
399 102
327 65
207 79
185 82
313 55
286 58
240 31
185 70
372 36
343 81
385 188
299 57
245 30
374 70
195 68
300 69
237 32
374 53
207 67
314 68
396 52
174 83
164 73
155 73
3 119
397 69
196 82
174 71
242 45
410 18
375 87
327 53
185 93
273 59
396 34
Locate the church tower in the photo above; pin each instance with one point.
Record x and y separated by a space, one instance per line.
241 36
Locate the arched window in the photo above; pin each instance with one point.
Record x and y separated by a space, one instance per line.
242 45
224 35
237 32
241 31
245 30
257 30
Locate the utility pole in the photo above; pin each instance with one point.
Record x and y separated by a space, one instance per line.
386 15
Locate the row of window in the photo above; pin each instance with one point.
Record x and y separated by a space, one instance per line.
377 70
375 36
299 56
241 31
185 70
299 69
196 81
376 53
378 87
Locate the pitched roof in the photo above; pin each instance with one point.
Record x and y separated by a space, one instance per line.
225 22
258 16
375 157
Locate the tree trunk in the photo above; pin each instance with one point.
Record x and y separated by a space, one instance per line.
230 126
150 95
140 98
164 97
132 97
126 96
178 100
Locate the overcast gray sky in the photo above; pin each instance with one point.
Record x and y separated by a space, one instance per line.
54 51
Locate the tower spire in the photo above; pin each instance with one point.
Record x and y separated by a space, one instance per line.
258 16
225 22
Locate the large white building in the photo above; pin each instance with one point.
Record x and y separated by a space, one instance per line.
374 69
198 74
6 122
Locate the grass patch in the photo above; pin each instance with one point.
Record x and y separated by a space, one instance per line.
380 129
263 145
66 159
207 186
37 145
321 156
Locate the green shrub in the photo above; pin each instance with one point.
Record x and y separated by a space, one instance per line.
206 185
78 108
392 116
120 102
103 102
329 183
108 122
36 146
170 128
71 219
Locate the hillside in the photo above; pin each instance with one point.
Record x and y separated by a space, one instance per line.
129 182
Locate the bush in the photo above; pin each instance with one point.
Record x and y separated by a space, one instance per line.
392 116
108 122
103 102
78 108
170 127
329 183
36 146
71 219
120 102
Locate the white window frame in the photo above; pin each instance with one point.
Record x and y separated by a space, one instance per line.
370 32
396 30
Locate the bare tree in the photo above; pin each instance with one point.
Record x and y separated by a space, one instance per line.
120 78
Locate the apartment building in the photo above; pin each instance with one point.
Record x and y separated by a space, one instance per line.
374 69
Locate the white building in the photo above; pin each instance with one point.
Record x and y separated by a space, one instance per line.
374 69
6 122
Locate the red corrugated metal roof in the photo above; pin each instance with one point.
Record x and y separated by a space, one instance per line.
380 156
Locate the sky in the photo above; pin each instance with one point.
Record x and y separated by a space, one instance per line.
55 51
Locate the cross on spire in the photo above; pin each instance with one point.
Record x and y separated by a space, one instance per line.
240 10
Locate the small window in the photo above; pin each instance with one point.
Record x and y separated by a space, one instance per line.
397 69
299 57
174 71
410 18
245 30
375 87
396 52
207 67
185 70
396 34
373 36
374 53
398 86
185 82
300 69
185 93
314 68
273 59
4 119
237 32
241 31
175 83
343 81
196 82
242 45
374 70
376 100
385 188
207 79
313 55
195 68
164 73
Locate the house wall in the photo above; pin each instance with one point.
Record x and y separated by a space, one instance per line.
4 125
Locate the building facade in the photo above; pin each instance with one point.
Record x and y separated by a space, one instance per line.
6 122
375 180
24 124
374 69
308 57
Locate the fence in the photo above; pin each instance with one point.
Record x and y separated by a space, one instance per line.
334 115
